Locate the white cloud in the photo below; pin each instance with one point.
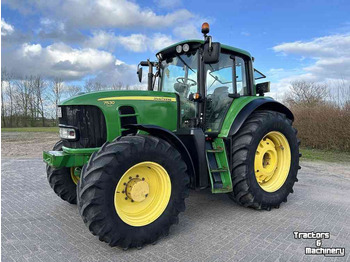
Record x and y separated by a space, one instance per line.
327 46
6 29
120 13
188 31
102 13
56 60
160 41
133 42
101 39
329 56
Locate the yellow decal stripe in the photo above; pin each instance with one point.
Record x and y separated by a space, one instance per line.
143 98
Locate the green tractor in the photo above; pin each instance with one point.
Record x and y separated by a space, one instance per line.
129 158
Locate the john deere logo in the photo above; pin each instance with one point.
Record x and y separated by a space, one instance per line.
165 99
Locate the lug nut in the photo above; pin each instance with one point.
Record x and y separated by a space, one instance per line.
137 175
124 184
126 198
130 177
146 195
143 179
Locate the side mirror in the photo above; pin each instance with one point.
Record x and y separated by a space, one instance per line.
211 53
262 88
139 73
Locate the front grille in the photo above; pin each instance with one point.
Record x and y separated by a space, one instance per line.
90 122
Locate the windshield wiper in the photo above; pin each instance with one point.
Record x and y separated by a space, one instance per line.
183 61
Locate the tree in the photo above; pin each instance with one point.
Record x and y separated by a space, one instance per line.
57 89
39 89
92 85
306 93
73 90
3 107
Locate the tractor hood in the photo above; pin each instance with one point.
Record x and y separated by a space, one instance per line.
120 108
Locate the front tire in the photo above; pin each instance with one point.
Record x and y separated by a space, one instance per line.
62 180
265 160
132 190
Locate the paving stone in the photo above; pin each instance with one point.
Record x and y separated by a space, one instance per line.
38 226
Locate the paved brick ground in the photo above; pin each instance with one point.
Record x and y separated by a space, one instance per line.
38 226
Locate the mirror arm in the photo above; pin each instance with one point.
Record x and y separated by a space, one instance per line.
157 74
150 75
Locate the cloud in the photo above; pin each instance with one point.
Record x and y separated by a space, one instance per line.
102 13
188 31
328 56
326 46
56 60
6 29
133 42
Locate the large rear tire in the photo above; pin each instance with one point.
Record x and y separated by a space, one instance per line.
61 180
265 160
132 190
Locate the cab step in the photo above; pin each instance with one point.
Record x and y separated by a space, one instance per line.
219 173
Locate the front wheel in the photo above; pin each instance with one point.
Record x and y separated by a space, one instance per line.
63 180
132 190
265 160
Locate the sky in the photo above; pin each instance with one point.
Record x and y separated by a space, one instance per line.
76 40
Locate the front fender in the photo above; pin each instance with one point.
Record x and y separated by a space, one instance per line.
171 138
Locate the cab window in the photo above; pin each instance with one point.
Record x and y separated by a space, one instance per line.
219 84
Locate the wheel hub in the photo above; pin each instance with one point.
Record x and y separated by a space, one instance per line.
142 193
266 154
272 161
137 190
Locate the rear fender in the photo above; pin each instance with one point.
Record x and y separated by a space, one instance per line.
257 104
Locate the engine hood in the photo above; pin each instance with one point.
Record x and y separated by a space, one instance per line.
148 107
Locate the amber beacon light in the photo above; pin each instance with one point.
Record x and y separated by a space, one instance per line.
205 28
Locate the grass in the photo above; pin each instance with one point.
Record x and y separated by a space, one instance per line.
323 155
31 129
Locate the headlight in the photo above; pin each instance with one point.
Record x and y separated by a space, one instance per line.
179 49
185 47
68 133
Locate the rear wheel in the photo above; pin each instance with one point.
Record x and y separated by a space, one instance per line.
63 180
265 160
132 190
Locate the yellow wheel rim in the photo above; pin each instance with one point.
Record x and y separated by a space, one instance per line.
142 194
272 161
75 178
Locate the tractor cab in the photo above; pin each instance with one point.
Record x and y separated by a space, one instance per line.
206 76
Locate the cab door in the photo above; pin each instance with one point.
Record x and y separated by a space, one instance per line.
224 81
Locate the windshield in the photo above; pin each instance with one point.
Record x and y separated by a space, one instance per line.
181 69
179 75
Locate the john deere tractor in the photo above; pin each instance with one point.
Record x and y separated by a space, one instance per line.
129 158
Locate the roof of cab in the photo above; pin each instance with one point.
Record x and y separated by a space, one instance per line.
227 47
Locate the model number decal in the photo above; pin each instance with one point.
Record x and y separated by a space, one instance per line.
108 103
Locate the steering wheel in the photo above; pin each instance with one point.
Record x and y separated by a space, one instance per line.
182 80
